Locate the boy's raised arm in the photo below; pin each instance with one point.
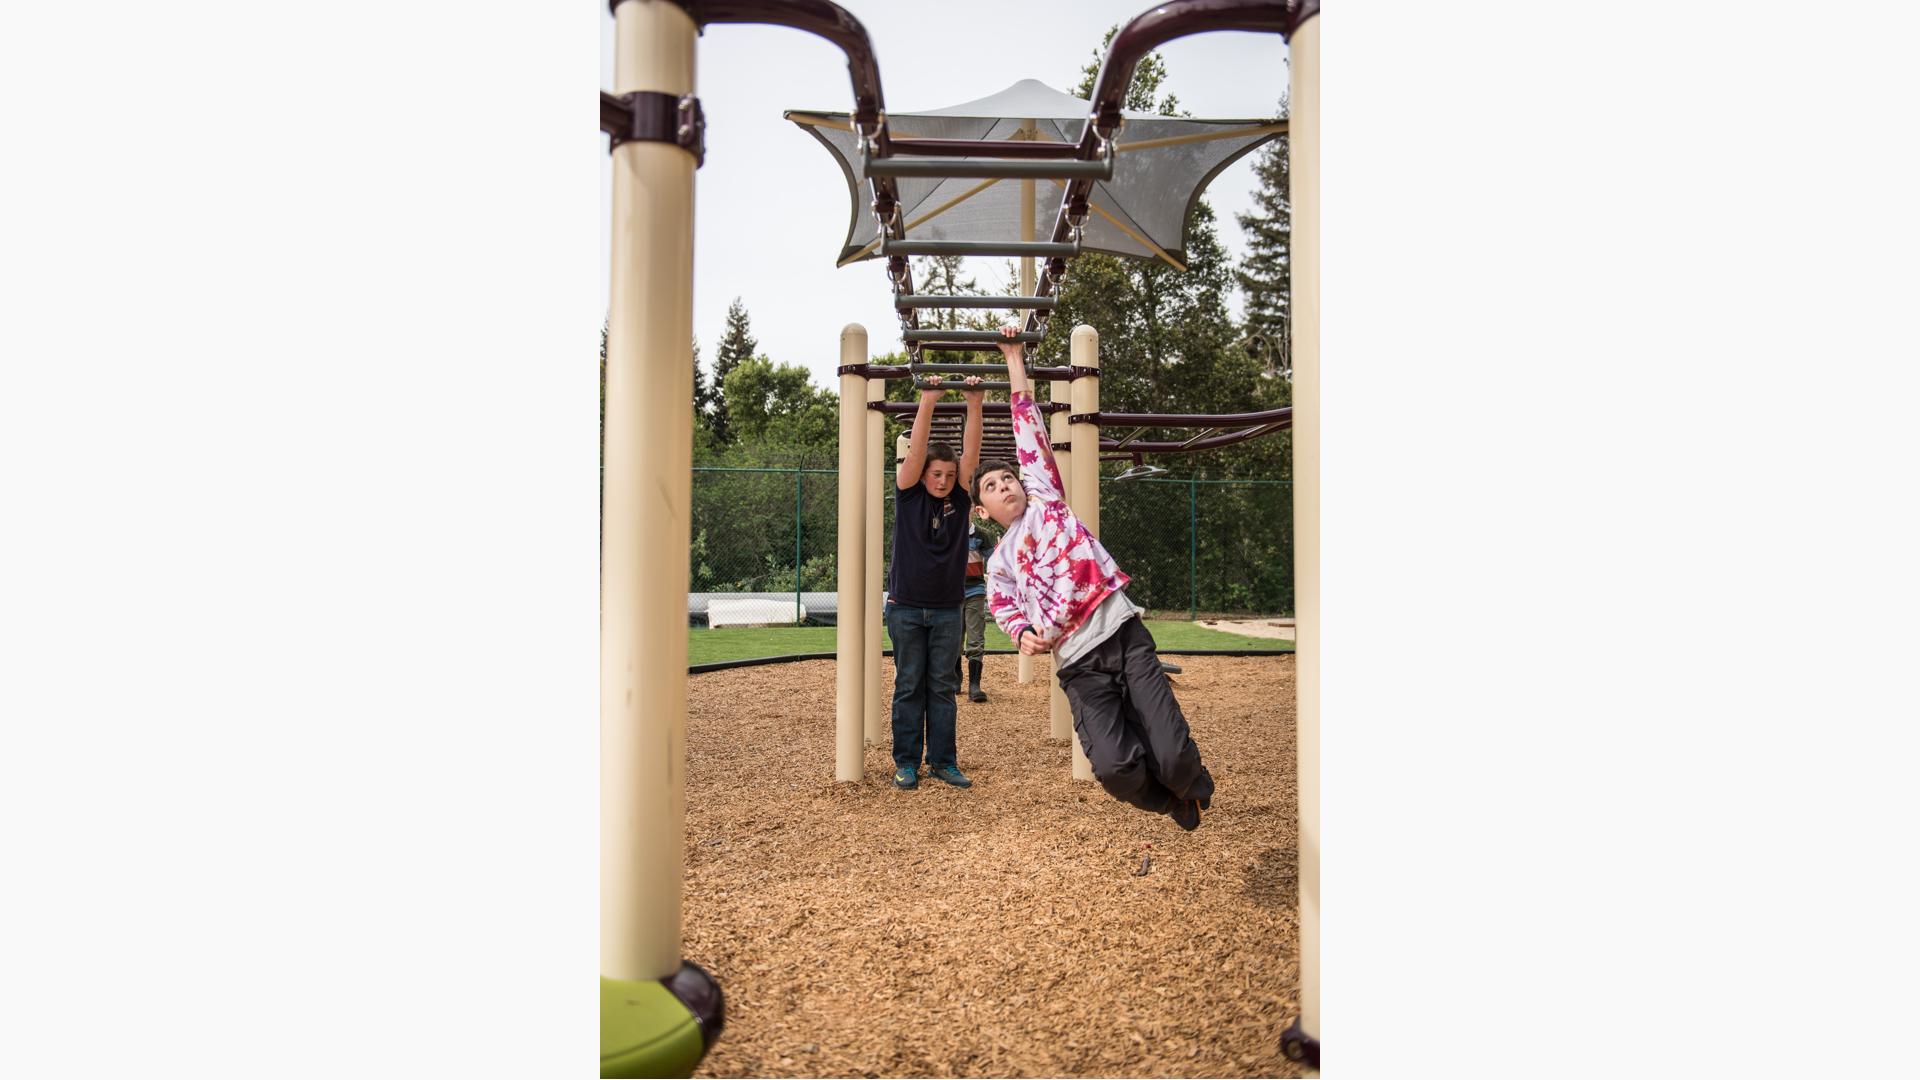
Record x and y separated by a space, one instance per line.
1038 473
970 438
1016 357
911 466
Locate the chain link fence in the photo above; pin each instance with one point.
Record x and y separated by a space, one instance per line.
1192 547
764 530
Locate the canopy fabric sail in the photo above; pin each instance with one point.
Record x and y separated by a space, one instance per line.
1161 166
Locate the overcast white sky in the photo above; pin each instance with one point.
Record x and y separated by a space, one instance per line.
771 207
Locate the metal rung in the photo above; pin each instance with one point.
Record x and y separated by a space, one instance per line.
985 169
1014 303
957 369
988 337
1036 249
919 384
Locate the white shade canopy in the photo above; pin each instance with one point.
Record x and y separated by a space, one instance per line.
1161 165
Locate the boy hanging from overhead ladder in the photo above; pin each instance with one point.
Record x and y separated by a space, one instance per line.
1053 588
926 590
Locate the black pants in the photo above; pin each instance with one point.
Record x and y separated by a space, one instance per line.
1130 725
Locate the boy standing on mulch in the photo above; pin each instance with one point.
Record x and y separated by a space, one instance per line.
1053 588
925 590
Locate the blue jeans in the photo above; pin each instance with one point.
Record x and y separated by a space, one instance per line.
926 676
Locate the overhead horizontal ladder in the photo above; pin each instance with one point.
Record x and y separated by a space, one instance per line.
1022 249
1018 303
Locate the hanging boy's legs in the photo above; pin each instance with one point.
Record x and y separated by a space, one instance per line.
1131 727
1164 727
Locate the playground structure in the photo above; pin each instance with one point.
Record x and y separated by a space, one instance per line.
659 1013
1079 447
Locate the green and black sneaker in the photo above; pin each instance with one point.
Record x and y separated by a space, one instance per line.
949 774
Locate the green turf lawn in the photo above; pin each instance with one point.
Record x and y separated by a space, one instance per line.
706 646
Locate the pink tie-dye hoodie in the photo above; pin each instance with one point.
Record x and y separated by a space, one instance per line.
1048 573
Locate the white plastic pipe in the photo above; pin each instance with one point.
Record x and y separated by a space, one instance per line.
850 567
645 532
1083 491
1304 195
875 485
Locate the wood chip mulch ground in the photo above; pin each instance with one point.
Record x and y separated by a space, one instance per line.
858 930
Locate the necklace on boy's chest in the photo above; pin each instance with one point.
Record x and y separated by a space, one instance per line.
946 507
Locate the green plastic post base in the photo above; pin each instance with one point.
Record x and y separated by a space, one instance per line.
646 1031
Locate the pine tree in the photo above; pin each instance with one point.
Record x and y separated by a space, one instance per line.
1265 275
1167 339
702 397
1148 74
940 275
736 345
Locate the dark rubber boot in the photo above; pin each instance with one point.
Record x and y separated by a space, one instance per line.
974 693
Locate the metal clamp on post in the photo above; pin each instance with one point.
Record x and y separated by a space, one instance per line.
651 116
886 211
1076 215
1082 417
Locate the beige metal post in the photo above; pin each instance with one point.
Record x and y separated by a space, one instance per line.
1304 193
876 484
850 566
645 532
1083 491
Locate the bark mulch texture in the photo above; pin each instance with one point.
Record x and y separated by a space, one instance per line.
858 930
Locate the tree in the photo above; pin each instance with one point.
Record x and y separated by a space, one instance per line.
1148 74
778 406
737 345
1265 274
702 397
940 275
1167 338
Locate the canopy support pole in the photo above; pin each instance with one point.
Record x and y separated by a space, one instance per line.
1084 492
876 451
850 564
646 537
1304 195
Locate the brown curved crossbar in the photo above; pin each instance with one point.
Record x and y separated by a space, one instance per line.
1252 425
991 408
819 18
836 24
1140 36
904 371
1283 414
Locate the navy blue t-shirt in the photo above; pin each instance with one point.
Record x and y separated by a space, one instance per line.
929 547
